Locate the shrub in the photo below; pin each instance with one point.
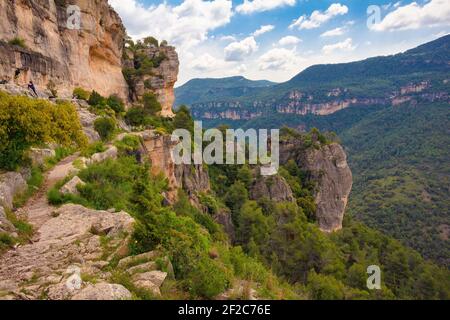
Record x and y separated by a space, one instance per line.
128 144
151 104
81 94
105 127
25 122
93 148
96 99
17 42
209 279
115 103
136 116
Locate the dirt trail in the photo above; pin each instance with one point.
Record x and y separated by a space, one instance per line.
36 209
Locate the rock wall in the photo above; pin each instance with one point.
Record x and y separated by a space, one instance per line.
327 167
89 57
160 81
190 178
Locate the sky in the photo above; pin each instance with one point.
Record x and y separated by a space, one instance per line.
276 39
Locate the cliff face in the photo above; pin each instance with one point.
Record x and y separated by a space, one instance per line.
89 57
328 168
191 179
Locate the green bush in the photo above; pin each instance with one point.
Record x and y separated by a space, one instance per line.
26 122
209 279
151 104
105 127
81 94
116 103
136 116
96 99
128 144
93 148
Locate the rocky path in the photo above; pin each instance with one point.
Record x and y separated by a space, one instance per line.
37 210
68 247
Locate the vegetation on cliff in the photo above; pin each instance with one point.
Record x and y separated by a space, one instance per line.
26 122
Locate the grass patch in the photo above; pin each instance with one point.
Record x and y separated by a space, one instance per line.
93 148
18 42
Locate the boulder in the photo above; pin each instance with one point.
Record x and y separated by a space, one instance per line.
110 153
38 156
11 184
5 224
87 120
103 291
151 281
139 259
141 268
71 186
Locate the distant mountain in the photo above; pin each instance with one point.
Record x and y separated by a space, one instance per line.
203 90
326 89
392 115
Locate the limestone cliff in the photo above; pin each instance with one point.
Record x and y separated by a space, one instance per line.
89 57
160 80
190 178
327 167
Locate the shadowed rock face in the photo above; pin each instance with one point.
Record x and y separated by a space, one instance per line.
329 169
89 57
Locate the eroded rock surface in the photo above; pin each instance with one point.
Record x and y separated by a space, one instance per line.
89 57
329 169
272 187
64 248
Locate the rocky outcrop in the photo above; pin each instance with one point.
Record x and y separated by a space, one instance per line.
272 187
38 155
88 57
160 81
223 217
103 291
11 184
145 273
5 225
87 120
71 187
191 178
328 168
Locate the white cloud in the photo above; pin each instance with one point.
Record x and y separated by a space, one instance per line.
414 16
279 59
252 6
263 29
334 32
184 25
228 38
289 41
318 18
207 62
346 45
239 50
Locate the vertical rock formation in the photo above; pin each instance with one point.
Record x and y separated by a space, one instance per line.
328 168
190 178
160 80
89 57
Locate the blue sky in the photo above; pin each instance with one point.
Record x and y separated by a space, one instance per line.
276 39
